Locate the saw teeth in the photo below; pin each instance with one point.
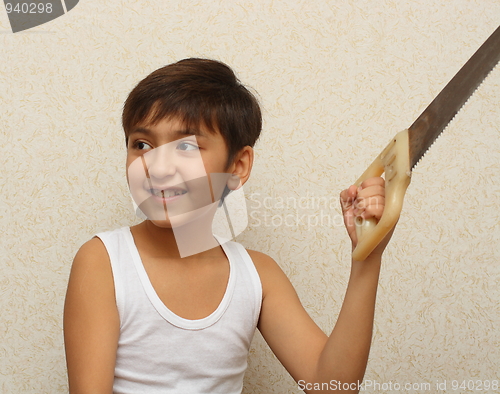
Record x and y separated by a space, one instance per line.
454 116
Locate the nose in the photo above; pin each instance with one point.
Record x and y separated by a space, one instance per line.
160 163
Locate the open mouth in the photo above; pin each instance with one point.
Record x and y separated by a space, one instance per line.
167 193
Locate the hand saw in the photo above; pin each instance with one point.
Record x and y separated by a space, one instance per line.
404 151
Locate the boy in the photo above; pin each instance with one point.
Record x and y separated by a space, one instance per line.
166 307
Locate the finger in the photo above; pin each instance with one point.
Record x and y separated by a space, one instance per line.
353 191
364 203
347 197
374 181
374 190
349 193
373 211
372 206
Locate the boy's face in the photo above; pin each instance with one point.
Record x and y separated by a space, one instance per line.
176 175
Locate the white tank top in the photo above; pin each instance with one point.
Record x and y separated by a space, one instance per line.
161 352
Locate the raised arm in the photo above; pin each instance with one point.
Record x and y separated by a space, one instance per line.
317 362
91 323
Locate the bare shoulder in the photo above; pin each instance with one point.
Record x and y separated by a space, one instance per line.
92 257
91 321
92 252
271 274
264 263
260 258
91 275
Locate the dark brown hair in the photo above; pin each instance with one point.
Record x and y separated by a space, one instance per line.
199 92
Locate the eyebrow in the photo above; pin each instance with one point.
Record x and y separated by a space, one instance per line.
180 133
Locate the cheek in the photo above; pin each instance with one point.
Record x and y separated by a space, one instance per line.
192 169
136 175
215 163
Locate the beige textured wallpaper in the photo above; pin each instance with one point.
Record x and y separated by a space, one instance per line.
337 79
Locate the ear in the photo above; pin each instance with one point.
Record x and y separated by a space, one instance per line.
241 168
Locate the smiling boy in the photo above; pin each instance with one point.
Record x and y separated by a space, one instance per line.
167 307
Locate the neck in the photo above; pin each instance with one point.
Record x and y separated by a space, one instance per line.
192 238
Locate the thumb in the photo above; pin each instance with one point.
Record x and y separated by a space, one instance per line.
347 198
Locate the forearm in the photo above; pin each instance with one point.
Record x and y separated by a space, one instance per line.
345 354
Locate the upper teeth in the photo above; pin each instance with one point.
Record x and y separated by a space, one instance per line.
168 193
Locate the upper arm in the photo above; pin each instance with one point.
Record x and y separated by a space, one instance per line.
284 323
91 322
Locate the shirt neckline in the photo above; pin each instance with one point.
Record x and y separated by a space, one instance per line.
162 309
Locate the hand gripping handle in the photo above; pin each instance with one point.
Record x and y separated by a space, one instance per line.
395 162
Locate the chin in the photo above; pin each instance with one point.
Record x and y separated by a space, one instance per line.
161 223
199 218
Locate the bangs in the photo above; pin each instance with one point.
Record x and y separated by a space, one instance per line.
193 115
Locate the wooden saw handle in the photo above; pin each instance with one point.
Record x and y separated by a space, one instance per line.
394 161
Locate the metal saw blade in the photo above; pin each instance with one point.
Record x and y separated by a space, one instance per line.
424 131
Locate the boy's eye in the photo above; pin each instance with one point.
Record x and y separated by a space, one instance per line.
141 145
187 146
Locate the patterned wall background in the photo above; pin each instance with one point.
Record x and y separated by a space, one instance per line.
337 79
